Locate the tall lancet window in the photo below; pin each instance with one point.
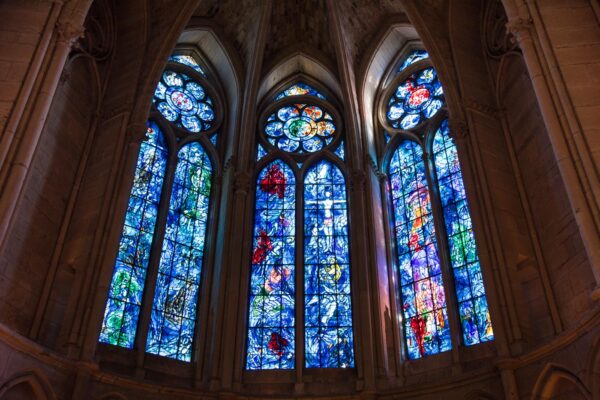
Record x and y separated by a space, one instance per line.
155 289
433 242
300 261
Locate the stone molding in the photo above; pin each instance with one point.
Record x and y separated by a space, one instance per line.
68 33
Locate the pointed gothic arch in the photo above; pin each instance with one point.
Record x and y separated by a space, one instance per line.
27 383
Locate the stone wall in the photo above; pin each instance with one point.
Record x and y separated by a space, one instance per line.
71 146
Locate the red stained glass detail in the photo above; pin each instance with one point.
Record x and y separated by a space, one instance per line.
276 277
263 245
277 344
418 96
417 324
274 182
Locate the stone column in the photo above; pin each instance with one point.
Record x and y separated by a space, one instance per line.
521 29
66 33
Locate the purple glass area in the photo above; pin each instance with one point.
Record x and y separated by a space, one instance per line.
424 312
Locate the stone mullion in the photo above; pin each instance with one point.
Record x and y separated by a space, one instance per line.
362 304
208 273
238 266
237 277
361 280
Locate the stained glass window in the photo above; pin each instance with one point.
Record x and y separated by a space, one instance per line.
299 89
178 253
187 60
470 293
129 276
183 101
329 342
416 99
416 55
174 306
271 320
300 128
420 277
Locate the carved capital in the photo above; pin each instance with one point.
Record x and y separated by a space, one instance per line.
68 33
357 180
459 130
229 164
241 182
137 131
480 107
519 29
375 169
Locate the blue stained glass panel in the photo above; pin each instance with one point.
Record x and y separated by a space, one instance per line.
184 101
187 60
299 89
426 326
340 152
329 340
125 294
271 319
415 100
173 316
416 55
260 152
472 302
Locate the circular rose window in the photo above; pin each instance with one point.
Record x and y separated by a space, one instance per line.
300 128
415 100
183 101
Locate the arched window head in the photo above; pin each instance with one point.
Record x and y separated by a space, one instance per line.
433 241
155 290
308 259
419 267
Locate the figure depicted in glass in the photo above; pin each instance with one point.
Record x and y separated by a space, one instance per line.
271 315
415 96
322 244
185 111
